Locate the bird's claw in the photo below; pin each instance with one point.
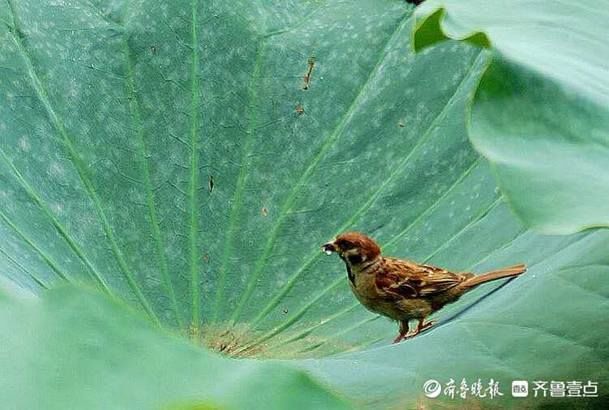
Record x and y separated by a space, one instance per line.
426 326
420 329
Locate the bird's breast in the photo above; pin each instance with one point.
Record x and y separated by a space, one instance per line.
365 290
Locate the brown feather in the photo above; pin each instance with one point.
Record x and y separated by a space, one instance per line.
411 280
508 272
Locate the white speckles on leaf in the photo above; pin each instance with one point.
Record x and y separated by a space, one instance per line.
24 143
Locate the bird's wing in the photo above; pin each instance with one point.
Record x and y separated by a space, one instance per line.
411 280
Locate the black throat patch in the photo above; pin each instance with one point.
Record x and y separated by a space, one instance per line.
350 274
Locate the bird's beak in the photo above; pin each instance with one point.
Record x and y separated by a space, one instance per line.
329 248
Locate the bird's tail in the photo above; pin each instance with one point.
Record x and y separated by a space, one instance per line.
508 272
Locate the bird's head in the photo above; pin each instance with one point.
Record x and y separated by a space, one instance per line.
353 247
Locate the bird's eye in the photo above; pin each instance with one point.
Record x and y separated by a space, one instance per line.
355 258
344 245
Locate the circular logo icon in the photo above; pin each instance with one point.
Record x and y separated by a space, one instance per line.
432 388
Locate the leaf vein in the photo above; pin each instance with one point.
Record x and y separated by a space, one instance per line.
150 198
194 170
58 226
327 144
77 162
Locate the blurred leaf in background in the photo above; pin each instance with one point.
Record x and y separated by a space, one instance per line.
541 111
76 349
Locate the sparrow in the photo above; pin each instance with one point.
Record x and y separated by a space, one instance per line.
401 289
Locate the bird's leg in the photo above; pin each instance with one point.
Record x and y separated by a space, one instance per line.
424 326
421 327
403 331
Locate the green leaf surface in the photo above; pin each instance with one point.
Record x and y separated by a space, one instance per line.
76 349
540 115
189 158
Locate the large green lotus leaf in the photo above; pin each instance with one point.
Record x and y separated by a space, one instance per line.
75 349
189 158
540 114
